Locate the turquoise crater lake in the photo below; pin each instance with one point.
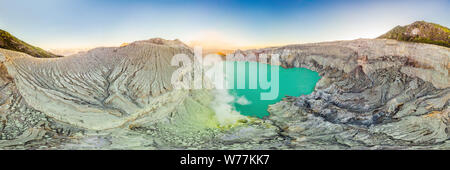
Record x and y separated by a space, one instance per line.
292 82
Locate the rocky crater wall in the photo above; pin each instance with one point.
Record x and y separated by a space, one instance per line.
373 93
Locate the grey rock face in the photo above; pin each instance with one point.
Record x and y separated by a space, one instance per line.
373 93
16 117
104 89
101 89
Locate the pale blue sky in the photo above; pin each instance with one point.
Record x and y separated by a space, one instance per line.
88 23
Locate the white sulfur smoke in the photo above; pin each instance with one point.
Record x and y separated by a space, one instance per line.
222 106
243 101
223 100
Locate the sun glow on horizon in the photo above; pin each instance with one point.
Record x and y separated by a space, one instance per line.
226 25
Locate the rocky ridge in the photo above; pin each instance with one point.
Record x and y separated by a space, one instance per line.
421 32
104 89
372 94
10 42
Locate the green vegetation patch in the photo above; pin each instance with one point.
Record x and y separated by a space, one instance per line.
421 32
9 42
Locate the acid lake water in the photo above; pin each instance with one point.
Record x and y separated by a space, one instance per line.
292 82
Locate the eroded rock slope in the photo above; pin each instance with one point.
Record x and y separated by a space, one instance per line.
373 93
105 88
